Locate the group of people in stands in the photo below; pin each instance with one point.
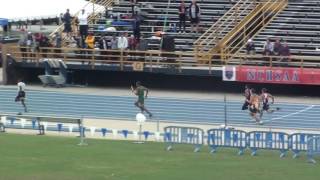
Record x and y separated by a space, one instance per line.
86 39
277 48
31 42
193 11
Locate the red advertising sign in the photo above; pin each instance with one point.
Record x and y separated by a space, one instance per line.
279 75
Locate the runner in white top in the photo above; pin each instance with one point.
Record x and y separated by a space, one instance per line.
21 95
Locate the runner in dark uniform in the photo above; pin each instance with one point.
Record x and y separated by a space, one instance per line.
247 95
139 91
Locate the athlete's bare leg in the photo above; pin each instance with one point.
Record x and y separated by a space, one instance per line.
138 105
24 105
143 108
146 110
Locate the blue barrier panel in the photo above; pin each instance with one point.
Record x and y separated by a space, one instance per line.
183 135
268 140
313 148
298 143
227 138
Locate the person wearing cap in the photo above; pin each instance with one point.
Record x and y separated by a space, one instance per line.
250 47
142 93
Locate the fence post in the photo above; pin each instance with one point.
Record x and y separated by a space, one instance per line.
121 59
93 58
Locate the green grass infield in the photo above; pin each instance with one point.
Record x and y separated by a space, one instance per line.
59 158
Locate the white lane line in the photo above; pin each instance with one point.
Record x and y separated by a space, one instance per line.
291 114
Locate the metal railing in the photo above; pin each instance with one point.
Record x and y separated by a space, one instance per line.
149 60
227 21
208 41
213 43
267 12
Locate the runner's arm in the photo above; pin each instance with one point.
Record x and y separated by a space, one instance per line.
272 98
147 91
133 90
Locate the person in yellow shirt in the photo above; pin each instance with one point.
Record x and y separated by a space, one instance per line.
90 44
90 41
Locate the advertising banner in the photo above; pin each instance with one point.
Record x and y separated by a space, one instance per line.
278 75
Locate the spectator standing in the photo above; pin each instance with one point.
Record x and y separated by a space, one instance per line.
57 43
136 27
277 47
57 40
23 43
30 42
67 23
182 16
268 48
114 47
250 47
103 45
142 46
90 41
194 14
114 43
61 19
132 42
122 42
133 4
83 26
123 45
285 52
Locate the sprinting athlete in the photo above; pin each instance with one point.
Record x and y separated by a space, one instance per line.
21 95
247 95
142 93
266 97
254 106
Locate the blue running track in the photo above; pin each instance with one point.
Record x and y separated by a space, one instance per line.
295 116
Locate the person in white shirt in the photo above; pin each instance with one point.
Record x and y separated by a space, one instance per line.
123 45
122 42
268 48
21 95
83 26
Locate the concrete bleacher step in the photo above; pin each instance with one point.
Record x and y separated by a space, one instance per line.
211 10
298 24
